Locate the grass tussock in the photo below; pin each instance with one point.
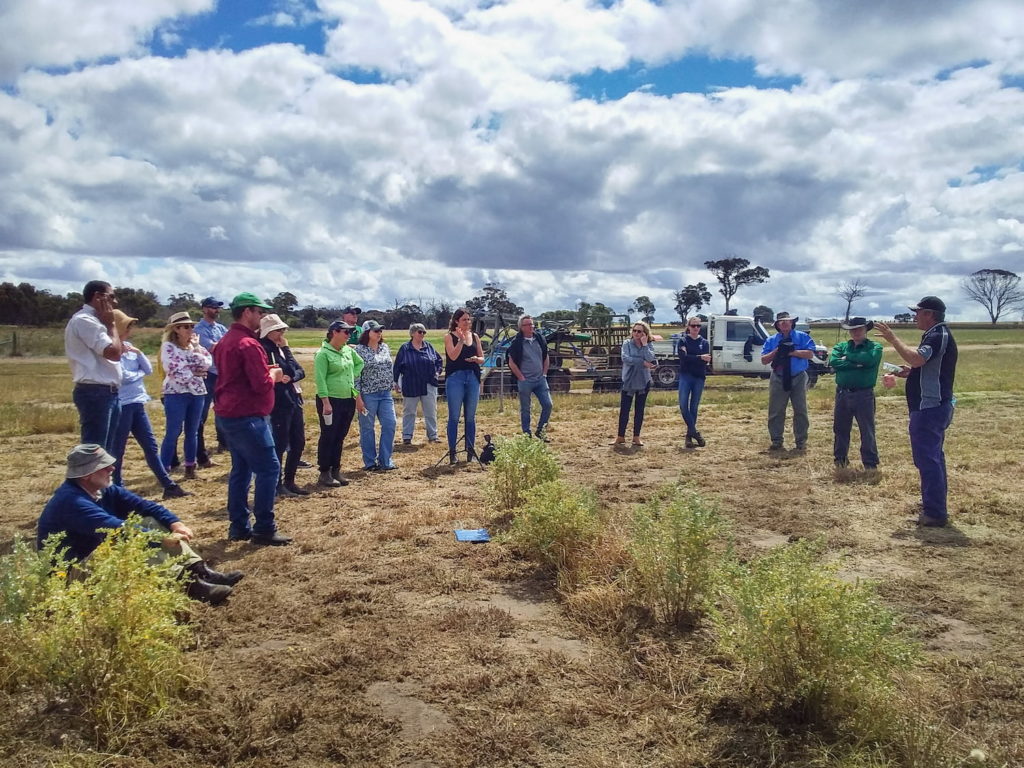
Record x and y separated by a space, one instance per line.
103 643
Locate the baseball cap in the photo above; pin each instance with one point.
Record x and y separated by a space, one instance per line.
248 300
209 301
934 303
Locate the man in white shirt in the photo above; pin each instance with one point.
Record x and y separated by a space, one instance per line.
93 347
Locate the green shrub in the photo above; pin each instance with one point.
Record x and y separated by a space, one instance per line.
814 644
554 523
108 643
674 560
519 464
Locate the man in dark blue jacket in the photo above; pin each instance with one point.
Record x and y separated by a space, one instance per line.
528 360
88 502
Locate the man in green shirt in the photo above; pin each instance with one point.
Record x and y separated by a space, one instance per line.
856 365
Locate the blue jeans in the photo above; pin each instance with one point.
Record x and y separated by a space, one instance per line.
379 405
252 453
135 421
690 390
201 453
538 387
462 391
927 436
98 411
183 413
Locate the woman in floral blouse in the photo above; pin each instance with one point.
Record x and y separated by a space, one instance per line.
183 363
374 384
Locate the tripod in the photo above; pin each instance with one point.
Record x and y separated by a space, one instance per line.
470 452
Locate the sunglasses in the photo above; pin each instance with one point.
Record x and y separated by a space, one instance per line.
419 331
695 326
639 330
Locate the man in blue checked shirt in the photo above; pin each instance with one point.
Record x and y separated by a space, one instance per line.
788 352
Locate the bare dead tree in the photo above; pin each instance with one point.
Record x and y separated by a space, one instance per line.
851 292
997 290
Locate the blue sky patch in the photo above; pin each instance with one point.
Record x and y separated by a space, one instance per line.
238 25
691 74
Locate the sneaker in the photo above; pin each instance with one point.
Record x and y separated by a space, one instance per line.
274 539
542 435
303 464
387 468
175 491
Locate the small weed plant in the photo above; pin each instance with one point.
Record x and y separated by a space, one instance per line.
808 642
555 523
520 463
675 563
107 644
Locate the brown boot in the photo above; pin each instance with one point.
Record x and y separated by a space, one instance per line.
190 471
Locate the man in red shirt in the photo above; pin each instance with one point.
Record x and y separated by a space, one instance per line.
243 400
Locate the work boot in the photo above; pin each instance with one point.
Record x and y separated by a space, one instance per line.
204 591
283 492
453 458
203 572
699 440
689 441
471 455
328 481
190 471
294 489
175 491
338 477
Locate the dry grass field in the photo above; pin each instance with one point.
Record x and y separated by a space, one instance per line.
378 640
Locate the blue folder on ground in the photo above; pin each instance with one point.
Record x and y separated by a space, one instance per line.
472 534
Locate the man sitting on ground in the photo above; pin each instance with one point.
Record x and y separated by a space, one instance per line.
88 502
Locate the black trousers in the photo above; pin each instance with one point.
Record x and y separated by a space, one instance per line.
625 401
289 437
332 436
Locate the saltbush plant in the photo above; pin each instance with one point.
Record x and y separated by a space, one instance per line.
520 463
104 640
675 560
807 641
554 523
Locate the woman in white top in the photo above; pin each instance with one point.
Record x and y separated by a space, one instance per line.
183 363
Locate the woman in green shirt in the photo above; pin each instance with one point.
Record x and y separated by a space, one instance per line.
335 369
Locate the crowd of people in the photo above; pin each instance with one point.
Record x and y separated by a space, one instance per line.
253 381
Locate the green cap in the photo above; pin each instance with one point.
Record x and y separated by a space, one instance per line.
248 300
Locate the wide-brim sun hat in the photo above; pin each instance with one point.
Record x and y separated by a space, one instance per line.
269 324
86 458
857 322
784 316
180 318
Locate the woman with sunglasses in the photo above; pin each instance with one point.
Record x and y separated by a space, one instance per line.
638 360
463 356
374 385
335 370
183 364
694 356
417 368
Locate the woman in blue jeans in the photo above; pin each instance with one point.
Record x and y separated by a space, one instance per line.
183 363
463 356
134 420
374 385
694 356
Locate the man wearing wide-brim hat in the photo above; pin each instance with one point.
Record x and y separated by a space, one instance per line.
789 353
88 504
243 402
856 363
930 370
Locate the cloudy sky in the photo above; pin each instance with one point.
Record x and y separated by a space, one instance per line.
573 150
